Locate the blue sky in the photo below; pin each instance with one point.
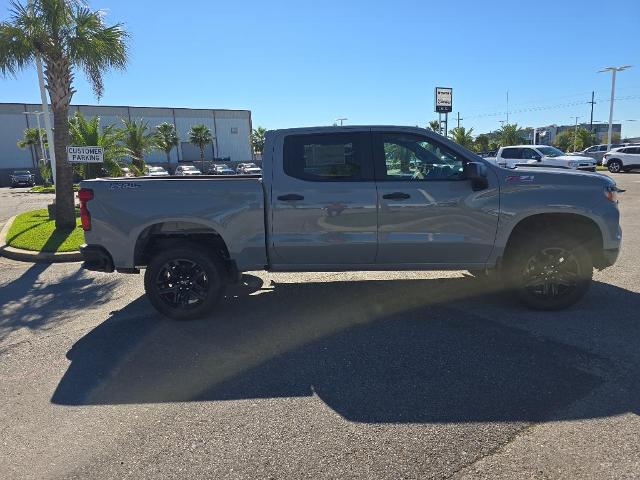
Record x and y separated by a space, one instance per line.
306 63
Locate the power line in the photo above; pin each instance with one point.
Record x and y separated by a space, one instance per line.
549 107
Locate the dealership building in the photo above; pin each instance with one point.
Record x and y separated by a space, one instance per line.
231 130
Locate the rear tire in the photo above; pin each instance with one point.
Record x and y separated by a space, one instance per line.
614 166
549 271
184 282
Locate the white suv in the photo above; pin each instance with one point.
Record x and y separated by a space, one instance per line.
622 159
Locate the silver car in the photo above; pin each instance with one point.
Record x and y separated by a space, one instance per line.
597 151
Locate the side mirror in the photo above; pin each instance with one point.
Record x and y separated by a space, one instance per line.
477 173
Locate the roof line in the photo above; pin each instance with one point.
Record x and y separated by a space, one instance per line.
135 106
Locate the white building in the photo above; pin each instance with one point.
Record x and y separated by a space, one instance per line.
231 130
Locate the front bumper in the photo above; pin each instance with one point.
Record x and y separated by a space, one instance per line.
609 257
96 258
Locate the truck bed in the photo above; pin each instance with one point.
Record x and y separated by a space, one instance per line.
123 210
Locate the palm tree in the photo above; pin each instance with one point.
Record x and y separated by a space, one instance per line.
200 136
31 140
66 35
138 140
257 139
510 134
166 138
482 143
87 132
462 136
434 125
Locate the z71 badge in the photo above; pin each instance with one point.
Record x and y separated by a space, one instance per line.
124 185
520 178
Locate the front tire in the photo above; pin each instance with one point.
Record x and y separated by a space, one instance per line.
549 271
614 166
184 282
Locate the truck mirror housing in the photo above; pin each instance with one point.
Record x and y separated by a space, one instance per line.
477 173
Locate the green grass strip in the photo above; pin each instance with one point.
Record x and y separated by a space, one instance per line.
34 231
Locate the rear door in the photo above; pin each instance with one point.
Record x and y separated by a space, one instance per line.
324 208
428 211
510 156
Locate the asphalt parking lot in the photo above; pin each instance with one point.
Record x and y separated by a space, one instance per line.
357 375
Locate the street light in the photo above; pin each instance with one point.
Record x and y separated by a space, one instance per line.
45 110
37 114
575 135
613 71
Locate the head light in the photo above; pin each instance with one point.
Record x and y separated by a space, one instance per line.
573 164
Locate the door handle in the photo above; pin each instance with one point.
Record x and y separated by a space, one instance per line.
396 196
291 197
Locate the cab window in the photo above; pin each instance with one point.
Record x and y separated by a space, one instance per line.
413 157
331 157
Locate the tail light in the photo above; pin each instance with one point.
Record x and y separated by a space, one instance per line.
85 195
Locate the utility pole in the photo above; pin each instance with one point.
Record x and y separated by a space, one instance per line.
341 120
592 102
575 135
459 119
613 71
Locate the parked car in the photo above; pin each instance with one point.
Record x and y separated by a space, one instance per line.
542 156
248 169
22 177
126 172
597 151
152 171
343 199
187 170
220 170
622 159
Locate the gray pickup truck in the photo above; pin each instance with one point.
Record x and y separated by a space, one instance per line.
354 198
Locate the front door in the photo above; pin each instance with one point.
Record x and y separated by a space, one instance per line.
428 211
324 206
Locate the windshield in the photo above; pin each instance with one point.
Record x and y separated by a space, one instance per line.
156 169
188 168
550 151
22 172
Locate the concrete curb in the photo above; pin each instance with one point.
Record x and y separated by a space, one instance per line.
29 256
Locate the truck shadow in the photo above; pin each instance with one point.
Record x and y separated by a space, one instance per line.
31 300
374 351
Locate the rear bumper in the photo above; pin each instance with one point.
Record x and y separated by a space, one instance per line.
96 258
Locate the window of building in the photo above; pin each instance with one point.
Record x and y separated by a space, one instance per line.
234 130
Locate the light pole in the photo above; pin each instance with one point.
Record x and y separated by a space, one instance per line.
45 110
37 114
613 71
341 120
575 135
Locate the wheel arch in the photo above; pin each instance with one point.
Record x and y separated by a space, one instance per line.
580 227
166 233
